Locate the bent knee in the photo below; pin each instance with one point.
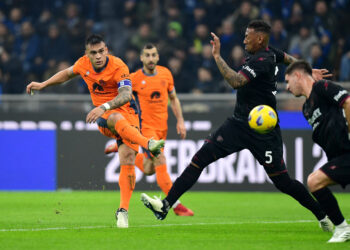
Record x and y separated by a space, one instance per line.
149 171
113 118
315 181
127 157
148 167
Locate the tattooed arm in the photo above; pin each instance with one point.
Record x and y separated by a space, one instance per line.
123 97
233 78
288 59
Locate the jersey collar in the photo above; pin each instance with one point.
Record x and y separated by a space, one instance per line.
155 73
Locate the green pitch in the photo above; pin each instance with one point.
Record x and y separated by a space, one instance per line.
85 220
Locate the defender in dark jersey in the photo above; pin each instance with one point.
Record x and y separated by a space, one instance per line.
327 109
256 85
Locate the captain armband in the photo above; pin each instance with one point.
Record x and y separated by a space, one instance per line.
124 83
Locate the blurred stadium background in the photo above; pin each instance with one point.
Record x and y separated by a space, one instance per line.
45 143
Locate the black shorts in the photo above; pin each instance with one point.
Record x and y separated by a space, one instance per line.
338 169
235 135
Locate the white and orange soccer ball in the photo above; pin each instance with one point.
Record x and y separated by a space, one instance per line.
262 119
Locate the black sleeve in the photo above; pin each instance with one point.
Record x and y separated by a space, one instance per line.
253 68
331 91
279 54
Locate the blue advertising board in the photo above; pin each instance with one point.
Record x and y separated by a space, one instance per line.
28 160
293 120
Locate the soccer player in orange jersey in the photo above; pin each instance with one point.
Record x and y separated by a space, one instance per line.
152 86
115 110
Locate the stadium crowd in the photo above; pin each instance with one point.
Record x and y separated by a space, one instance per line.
40 37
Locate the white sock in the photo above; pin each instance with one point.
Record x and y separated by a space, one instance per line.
324 218
343 224
176 203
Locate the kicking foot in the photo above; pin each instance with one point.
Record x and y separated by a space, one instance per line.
156 205
181 210
111 148
122 218
154 146
326 224
341 234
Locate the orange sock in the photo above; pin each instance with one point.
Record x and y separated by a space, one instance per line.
139 161
126 184
163 178
128 132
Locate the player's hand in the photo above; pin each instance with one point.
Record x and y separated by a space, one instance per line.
215 45
181 129
34 86
319 74
94 115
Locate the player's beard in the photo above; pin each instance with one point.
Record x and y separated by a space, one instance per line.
151 66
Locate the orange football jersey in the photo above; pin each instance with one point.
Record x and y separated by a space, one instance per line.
151 91
103 86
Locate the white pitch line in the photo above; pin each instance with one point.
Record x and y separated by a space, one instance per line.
51 228
227 223
157 225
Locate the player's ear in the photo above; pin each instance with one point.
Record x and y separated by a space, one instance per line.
141 57
297 74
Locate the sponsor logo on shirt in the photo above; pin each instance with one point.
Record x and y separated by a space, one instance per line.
340 93
155 95
251 71
316 114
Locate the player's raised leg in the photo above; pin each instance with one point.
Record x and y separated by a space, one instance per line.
116 122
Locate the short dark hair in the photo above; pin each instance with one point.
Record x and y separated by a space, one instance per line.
149 46
260 26
299 65
94 39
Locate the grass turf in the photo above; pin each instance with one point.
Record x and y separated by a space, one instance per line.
85 220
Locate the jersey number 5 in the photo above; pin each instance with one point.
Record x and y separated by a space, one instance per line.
268 155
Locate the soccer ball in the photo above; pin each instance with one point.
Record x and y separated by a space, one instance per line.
262 119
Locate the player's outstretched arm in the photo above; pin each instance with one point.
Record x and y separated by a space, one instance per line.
124 96
317 74
60 77
176 108
233 78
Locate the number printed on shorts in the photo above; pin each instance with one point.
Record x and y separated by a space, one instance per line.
268 155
